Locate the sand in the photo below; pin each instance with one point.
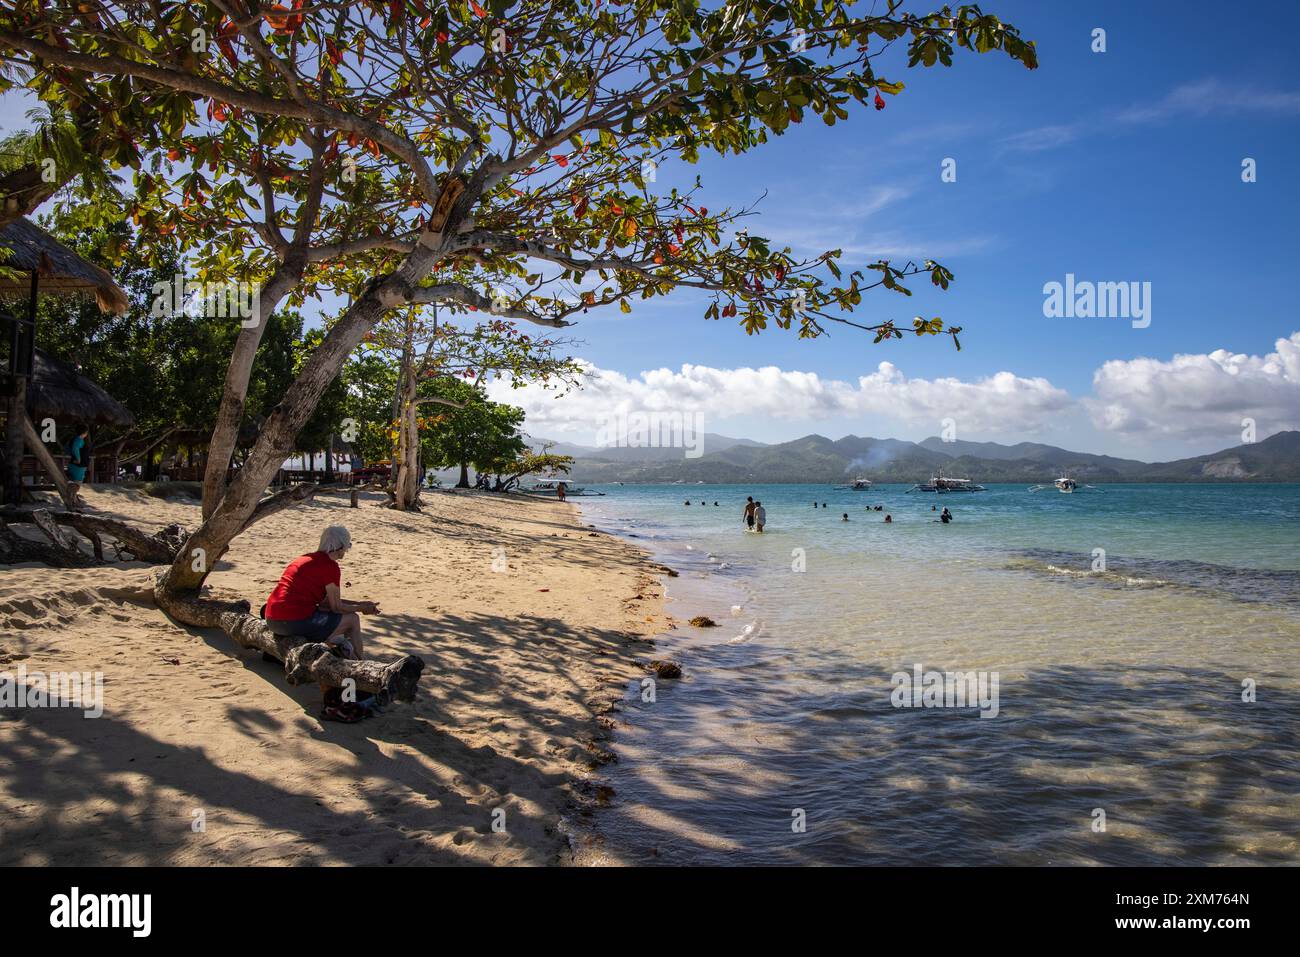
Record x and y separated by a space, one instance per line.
204 755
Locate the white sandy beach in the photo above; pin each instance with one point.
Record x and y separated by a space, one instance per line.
523 669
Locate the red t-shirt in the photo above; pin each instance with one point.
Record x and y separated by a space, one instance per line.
302 587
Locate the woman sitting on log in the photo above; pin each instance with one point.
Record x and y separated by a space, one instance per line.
307 603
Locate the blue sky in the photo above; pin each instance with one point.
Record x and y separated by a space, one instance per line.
1115 166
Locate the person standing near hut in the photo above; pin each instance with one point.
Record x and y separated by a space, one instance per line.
78 458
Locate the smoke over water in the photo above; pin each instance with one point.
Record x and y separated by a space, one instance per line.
876 458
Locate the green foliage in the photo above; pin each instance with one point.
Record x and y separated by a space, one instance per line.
552 111
161 367
483 434
533 463
370 382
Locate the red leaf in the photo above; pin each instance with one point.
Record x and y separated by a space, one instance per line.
478 11
228 51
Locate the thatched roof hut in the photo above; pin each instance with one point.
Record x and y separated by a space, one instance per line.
59 391
25 247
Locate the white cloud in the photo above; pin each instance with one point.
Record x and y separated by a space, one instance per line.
831 221
1202 98
1199 396
998 403
1213 96
1041 138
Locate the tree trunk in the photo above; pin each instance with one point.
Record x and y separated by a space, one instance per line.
304 661
464 476
406 488
399 403
274 444
225 434
177 588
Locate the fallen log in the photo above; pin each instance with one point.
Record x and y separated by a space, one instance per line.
304 661
158 548
42 520
15 548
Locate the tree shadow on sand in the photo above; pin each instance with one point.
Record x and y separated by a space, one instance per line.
502 715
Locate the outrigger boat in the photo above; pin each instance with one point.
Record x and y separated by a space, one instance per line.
1064 484
941 483
858 485
550 488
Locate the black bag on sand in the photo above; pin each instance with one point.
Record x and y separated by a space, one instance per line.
336 709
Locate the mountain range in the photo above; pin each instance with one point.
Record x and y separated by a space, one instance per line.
817 459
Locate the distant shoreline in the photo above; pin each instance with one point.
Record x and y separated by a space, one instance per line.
883 482
720 460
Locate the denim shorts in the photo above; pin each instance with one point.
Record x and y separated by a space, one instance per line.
316 628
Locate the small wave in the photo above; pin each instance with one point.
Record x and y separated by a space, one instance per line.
1107 576
1265 585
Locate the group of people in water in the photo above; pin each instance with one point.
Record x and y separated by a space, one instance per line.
945 516
755 516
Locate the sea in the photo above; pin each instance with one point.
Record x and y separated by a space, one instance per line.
1104 677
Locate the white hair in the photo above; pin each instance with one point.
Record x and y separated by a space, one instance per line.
335 538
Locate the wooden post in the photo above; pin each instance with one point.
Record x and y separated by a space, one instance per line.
15 413
57 475
22 349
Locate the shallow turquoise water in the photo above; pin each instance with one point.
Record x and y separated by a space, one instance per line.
1120 685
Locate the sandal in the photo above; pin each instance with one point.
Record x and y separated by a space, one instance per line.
344 714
